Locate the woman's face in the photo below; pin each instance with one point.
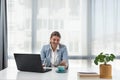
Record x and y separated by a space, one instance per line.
54 40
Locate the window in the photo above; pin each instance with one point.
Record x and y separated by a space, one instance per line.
19 26
30 23
105 26
88 27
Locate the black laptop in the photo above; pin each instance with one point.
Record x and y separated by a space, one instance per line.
29 62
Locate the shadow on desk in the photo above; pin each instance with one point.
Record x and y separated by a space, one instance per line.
21 75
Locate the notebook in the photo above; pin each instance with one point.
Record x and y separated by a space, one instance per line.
88 74
29 62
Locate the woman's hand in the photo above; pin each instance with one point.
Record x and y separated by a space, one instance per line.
63 63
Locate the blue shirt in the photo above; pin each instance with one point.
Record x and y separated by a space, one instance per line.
46 54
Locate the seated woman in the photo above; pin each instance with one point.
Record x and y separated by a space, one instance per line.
54 53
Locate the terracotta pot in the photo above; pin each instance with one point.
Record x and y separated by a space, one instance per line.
106 71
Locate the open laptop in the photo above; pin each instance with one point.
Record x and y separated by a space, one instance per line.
29 62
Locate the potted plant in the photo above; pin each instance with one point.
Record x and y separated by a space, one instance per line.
105 68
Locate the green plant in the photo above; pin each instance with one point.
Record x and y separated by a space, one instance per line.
104 58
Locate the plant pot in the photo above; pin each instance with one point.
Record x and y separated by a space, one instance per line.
106 71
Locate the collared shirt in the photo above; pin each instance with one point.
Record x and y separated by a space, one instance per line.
54 55
46 54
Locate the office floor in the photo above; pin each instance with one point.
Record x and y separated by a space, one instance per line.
11 73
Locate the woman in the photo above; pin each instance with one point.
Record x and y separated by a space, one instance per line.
54 53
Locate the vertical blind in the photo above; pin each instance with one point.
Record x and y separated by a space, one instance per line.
105 26
30 23
88 27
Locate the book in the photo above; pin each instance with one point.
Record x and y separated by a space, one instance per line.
88 74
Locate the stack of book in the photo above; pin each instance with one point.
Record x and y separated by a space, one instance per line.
88 74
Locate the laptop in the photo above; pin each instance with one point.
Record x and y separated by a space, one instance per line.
29 62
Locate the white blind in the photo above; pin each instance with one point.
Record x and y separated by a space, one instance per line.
30 23
106 26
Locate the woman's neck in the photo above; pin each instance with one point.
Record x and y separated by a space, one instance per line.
54 48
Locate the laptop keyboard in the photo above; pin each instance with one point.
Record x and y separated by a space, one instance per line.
46 70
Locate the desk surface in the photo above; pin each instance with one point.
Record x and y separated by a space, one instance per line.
14 74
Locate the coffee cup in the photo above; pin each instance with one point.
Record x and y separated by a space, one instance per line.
61 68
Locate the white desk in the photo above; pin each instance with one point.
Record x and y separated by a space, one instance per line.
11 73
14 74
